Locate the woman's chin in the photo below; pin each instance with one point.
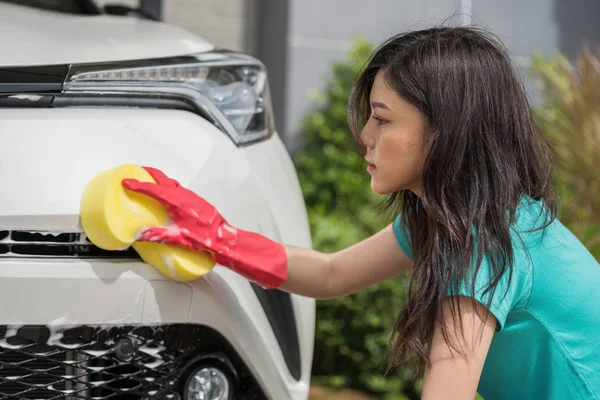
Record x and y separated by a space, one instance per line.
379 188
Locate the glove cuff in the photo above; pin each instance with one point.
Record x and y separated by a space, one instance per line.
256 258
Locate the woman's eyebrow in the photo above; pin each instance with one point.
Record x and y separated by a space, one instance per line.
377 104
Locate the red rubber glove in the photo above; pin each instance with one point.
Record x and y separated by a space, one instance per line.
199 226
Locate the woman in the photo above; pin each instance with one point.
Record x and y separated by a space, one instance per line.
502 297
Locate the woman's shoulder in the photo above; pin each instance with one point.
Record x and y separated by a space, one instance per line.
545 237
534 218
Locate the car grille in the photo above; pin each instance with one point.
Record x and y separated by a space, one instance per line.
84 362
54 244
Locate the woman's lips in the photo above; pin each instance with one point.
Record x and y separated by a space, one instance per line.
371 167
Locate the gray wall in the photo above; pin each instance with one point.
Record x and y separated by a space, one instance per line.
226 23
272 48
320 31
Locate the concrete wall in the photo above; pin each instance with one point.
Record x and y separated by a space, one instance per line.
226 23
320 32
273 50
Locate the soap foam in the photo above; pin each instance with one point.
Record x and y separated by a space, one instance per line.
12 330
156 363
170 263
59 321
230 229
153 351
6 345
212 218
96 353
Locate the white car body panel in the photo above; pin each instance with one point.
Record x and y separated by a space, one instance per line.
42 155
61 38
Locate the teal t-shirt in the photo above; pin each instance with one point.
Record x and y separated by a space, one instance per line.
547 342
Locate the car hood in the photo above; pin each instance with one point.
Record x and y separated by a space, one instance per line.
30 36
48 156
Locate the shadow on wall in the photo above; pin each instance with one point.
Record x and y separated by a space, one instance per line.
273 18
578 23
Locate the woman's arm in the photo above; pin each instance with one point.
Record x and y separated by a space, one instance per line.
453 376
199 225
321 276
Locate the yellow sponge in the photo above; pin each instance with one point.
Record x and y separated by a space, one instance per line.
112 215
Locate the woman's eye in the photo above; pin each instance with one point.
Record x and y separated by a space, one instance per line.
379 121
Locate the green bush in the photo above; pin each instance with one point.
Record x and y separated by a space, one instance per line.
569 116
352 332
334 180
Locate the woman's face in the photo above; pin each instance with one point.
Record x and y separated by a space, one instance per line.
394 138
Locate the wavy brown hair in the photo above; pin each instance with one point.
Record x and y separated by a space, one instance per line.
486 153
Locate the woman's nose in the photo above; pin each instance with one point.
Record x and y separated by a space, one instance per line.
367 139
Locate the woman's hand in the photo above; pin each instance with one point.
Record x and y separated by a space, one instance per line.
199 226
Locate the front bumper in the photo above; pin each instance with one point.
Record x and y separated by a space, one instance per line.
62 308
52 154
87 362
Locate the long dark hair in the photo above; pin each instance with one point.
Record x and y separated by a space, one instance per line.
486 153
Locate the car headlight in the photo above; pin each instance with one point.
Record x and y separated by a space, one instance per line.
232 88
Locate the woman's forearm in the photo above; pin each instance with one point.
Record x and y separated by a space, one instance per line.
322 276
309 273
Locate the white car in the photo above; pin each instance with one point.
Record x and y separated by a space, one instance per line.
82 92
